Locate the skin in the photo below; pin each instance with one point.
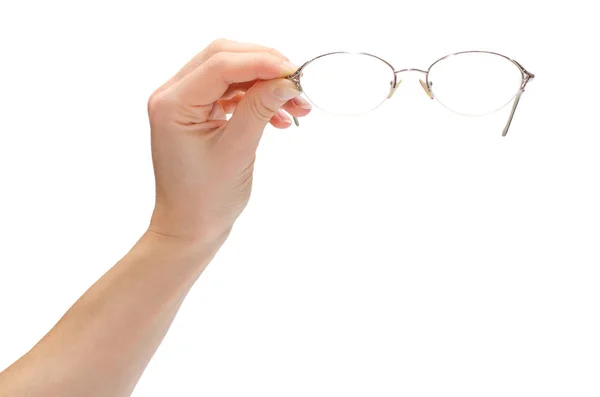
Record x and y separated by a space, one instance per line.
203 165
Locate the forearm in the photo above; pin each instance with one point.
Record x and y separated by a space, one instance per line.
103 343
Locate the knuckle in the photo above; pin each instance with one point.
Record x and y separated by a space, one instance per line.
260 110
216 61
218 45
159 105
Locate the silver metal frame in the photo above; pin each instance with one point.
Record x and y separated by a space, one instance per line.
526 77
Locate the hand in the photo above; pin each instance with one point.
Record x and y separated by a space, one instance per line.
203 163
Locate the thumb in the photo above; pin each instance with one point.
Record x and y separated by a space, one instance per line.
256 109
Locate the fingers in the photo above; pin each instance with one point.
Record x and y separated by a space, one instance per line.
224 45
297 107
217 112
281 120
257 108
229 105
237 88
209 81
219 45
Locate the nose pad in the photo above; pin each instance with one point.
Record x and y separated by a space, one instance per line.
394 88
426 88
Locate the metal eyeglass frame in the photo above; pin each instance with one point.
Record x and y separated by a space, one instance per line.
526 76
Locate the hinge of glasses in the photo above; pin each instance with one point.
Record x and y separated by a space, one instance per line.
529 74
295 78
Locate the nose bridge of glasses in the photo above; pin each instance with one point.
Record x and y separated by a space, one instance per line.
424 85
410 70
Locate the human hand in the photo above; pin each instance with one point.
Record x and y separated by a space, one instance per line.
203 163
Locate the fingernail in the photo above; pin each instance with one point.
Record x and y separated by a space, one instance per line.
302 103
283 116
217 112
285 93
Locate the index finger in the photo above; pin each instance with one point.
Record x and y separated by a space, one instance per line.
219 45
209 81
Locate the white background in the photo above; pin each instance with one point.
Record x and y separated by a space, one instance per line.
408 252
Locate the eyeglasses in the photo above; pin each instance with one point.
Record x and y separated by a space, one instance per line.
470 83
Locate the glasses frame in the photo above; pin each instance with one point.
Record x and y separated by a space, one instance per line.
526 76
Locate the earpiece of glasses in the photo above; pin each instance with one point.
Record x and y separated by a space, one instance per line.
469 83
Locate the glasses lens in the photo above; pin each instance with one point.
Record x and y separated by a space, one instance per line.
475 83
347 83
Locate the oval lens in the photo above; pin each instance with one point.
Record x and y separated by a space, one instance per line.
474 83
347 83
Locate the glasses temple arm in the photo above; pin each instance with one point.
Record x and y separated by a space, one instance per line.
512 113
527 77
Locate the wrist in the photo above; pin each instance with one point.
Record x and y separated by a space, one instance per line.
174 249
159 235
180 225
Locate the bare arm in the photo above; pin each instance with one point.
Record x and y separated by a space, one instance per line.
103 343
203 166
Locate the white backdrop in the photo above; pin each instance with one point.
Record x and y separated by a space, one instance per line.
408 252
